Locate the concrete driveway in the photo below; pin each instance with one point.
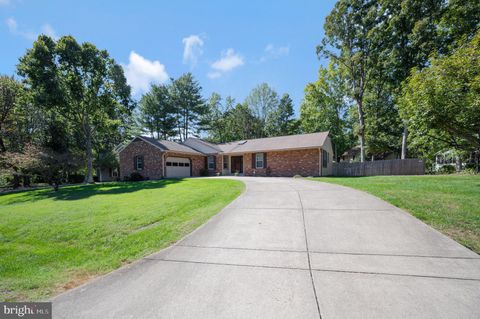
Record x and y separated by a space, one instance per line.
291 248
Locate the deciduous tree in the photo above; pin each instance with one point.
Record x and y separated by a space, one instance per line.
82 84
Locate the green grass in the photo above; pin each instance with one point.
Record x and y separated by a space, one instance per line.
51 241
449 203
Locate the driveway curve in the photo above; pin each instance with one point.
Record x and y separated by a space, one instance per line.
292 248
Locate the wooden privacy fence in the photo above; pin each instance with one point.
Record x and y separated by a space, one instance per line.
410 166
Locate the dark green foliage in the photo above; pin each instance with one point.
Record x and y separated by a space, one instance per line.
442 101
324 108
280 121
185 93
83 86
158 113
136 177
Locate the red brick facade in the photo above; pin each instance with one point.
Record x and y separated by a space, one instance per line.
152 157
304 162
285 163
153 160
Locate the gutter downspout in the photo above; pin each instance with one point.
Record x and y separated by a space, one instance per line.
319 161
163 164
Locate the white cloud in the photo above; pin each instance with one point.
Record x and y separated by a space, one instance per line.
229 61
4 2
46 29
192 49
141 72
11 24
273 52
214 75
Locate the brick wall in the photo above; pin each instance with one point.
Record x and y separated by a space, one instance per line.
152 158
286 163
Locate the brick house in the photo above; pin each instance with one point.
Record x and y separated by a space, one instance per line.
302 154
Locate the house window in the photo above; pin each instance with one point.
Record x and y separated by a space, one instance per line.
211 162
169 163
139 163
225 162
259 160
324 158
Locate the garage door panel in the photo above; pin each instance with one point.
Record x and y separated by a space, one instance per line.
178 167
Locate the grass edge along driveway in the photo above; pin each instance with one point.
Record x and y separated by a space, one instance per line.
50 242
448 203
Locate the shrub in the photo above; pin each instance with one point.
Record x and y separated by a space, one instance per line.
136 177
269 171
75 178
446 169
203 172
297 176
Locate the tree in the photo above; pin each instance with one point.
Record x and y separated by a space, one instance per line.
213 121
11 92
83 84
459 22
324 108
405 35
280 121
240 123
442 101
262 100
347 42
157 113
187 99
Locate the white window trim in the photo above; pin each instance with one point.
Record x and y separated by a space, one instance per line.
211 162
137 162
259 161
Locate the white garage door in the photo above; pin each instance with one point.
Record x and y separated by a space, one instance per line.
178 167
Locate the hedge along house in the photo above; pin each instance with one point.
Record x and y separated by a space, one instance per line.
303 154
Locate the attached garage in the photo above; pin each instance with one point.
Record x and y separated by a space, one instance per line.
177 167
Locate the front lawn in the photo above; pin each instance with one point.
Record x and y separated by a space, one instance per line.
51 241
449 203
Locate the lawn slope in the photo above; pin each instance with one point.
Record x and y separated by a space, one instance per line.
449 203
51 241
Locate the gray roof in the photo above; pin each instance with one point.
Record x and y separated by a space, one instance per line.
165 145
299 141
202 146
197 146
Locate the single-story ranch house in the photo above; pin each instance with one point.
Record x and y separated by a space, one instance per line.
303 154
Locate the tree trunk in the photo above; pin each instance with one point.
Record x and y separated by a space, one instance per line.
187 116
458 163
404 142
2 144
361 131
88 153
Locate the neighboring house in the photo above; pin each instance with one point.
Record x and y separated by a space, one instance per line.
304 154
107 174
448 158
353 155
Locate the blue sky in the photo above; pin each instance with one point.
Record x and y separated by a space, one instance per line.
230 47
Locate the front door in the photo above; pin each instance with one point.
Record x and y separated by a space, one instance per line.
237 164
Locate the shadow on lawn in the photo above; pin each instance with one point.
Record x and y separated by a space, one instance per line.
85 191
